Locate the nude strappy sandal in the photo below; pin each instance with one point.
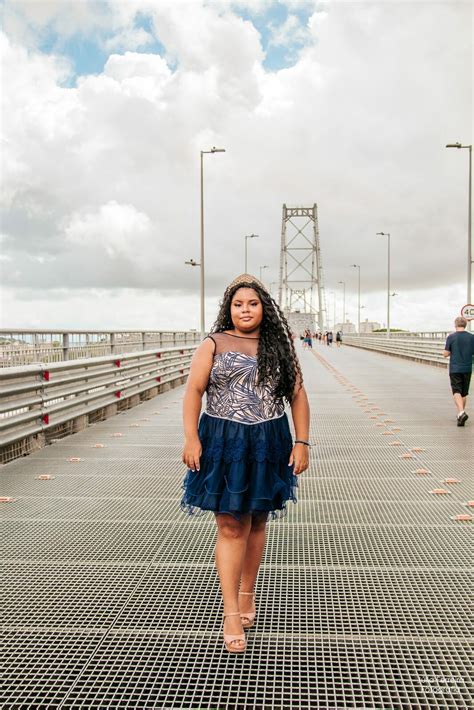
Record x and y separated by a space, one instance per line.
248 618
230 638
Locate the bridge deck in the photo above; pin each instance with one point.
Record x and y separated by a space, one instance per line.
111 595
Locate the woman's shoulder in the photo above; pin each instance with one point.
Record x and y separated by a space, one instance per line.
215 341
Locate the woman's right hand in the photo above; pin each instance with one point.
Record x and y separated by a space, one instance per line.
192 453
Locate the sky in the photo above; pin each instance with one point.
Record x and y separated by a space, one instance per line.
106 106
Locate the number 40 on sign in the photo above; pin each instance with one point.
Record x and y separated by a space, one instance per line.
467 311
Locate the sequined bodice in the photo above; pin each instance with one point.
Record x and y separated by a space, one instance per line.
232 391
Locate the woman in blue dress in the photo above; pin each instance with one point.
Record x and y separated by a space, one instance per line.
242 462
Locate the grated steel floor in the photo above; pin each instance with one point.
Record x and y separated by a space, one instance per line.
111 599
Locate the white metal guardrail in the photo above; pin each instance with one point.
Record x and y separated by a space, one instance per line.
24 347
427 350
37 399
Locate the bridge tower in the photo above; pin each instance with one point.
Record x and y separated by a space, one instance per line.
301 290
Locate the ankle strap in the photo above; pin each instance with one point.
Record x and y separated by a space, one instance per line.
250 594
233 613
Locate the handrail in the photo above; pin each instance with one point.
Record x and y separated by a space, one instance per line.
424 335
61 392
417 349
26 346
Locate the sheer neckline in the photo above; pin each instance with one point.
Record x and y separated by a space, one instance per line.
245 337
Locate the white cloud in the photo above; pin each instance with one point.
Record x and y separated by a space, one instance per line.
102 179
28 21
129 65
288 34
129 39
119 230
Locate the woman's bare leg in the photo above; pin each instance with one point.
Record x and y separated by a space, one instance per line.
231 546
252 560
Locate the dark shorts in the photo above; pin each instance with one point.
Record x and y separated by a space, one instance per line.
460 382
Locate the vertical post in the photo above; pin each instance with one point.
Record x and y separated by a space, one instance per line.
359 303
469 238
343 304
282 259
388 290
112 343
65 346
469 226
319 266
203 324
143 341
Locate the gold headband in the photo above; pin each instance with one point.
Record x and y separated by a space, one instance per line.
246 279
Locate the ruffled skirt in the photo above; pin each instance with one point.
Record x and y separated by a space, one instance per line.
244 469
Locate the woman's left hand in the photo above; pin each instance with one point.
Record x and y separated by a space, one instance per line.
299 457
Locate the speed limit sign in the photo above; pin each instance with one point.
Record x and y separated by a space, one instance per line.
467 311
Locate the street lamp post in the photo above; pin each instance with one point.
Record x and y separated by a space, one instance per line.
357 266
203 317
469 225
191 262
387 234
248 236
261 269
343 303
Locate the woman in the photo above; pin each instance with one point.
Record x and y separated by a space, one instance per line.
241 461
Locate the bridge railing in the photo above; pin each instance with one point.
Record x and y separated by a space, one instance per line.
412 335
44 401
427 349
24 347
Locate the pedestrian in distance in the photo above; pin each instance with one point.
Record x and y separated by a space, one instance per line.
459 348
339 338
329 338
242 462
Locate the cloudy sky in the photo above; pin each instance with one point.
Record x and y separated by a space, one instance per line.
107 104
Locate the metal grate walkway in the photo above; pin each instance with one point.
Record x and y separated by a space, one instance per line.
111 599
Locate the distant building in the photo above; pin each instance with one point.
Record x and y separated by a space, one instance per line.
346 327
299 321
369 326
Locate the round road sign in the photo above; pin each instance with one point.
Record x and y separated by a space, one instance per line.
467 311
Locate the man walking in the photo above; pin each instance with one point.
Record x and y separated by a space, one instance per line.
460 349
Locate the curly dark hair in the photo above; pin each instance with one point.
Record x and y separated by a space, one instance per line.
276 355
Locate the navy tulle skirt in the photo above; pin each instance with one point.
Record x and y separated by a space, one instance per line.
244 468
